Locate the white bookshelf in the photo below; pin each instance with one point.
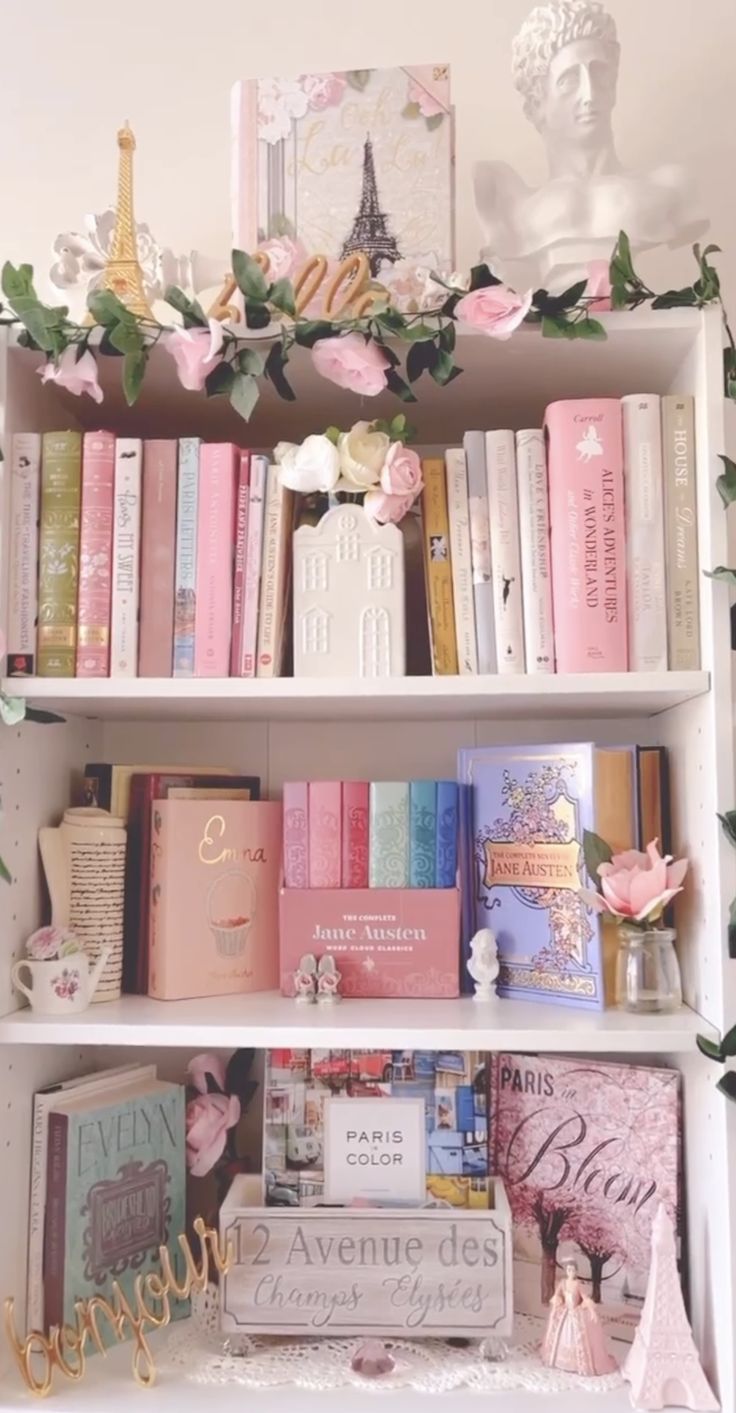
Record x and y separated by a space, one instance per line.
411 727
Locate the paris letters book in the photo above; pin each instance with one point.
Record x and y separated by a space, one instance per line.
360 160
115 1192
587 1150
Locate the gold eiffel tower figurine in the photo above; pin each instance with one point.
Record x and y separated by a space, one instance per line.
122 274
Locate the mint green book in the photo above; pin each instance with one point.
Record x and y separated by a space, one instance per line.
115 1192
388 858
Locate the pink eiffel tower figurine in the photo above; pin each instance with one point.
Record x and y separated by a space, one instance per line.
662 1365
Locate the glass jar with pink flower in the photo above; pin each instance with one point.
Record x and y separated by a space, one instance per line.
633 890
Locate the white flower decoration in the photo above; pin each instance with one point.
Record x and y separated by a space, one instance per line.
313 466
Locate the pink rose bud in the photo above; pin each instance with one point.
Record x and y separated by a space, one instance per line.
495 310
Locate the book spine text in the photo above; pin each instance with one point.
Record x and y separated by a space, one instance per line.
95 555
438 568
480 551
241 541
25 487
681 518
460 558
158 559
505 554
645 571
59 553
214 607
185 591
275 559
126 559
536 573
253 555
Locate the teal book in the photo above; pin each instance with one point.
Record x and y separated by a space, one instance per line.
422 833
388 859
115 1192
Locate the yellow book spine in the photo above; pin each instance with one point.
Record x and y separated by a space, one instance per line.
438 568
59 553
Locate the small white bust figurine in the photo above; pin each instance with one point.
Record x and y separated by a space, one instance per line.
565 65
483 964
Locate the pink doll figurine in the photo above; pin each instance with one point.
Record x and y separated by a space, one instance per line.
574 1340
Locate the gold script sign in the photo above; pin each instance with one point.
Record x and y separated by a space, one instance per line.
346 290
522 865
64 1347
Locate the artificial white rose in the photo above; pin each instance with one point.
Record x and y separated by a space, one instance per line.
362 455
313 466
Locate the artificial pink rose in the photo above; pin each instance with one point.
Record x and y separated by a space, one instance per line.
352 362
402 472
285 257
195 353
202 1065
426 102
324 90
208 1119
494 310
385 508
599 284
46 943
637 886
77 375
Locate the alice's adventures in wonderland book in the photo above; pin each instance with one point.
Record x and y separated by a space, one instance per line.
344 162
587 1151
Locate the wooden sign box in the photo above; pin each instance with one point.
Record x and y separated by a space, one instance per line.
417 1272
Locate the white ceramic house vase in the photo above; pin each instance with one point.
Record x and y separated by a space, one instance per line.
84 862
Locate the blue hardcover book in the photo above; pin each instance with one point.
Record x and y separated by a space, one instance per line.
186 557
388 863
447 832
523 868
422 833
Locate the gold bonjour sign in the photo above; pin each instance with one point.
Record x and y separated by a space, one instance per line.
64 1348
524 865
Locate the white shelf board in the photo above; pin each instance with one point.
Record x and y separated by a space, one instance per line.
585 695
269 1019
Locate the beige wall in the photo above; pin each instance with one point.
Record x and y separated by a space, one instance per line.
72 72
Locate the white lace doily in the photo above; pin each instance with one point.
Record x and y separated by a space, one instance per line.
200 1352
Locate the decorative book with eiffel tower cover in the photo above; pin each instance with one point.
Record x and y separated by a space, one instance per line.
346 162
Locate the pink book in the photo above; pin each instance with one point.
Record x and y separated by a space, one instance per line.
588 546
355 833
253 548
325 854
296 851
215 537
158 559
241 537
214 898
95 555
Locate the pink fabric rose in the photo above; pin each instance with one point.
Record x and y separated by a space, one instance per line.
402 472
203 1065
385 508
285 257
426 102
208 1119
77 375
195 353
323 90
599 284
637 886
46 943
352 362
494 310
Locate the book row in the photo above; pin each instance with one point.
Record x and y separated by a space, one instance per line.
370 834
226 893
568 548
151 558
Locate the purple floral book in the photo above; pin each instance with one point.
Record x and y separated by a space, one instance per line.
523 814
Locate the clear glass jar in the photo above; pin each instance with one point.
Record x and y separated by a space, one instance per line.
647 970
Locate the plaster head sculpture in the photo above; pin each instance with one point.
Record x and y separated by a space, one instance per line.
565 63
483 964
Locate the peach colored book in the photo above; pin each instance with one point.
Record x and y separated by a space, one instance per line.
588 548
215 543
158 559
95 555
214 897
325 831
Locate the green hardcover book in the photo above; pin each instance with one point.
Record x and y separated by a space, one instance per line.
61 477
115 1192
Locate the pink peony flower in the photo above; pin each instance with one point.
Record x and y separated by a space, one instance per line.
323 90
402 472
495 310
637 886
285 257
425 101
208 1119
195 353
46 943
77 375
599 284
200 1066
352 362
387 509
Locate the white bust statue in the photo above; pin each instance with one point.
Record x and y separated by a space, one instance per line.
565 65
483 965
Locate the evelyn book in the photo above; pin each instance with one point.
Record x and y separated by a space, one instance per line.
115 1192
213 927
587 1150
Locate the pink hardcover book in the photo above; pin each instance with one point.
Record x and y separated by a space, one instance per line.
95 555
355 833
325 853
215 536
214 898
296 844
588 549
587 1150
254 543
158 559
241 539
